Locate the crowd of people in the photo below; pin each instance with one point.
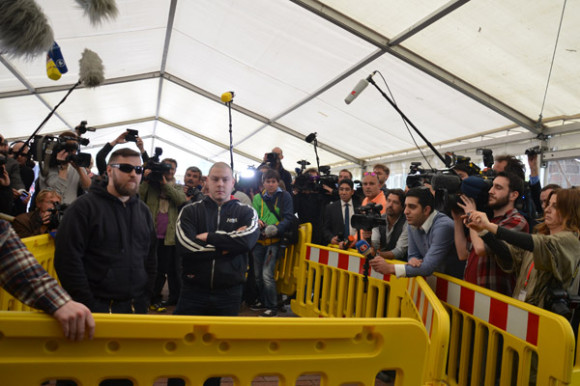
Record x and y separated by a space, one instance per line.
132 228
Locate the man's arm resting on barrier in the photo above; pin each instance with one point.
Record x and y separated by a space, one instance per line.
75 319
23 277
441 245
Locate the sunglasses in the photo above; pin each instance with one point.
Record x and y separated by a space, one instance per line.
128 168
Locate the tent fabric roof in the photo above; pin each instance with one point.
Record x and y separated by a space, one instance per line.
456 69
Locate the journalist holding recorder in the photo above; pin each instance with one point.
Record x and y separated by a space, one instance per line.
544 262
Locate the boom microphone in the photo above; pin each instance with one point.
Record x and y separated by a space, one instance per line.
99 10
360 86
91 69
311 137
227 96
24 29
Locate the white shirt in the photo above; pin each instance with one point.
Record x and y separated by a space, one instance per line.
350 213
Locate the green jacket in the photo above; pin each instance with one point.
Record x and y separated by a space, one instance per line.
150 195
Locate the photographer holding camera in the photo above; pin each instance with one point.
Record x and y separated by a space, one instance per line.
481 267
164 198
10 180
392 239
43 219
128 136
192 184
64 175
545 260
274 161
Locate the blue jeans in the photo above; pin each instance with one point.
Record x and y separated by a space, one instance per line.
265 257
195 300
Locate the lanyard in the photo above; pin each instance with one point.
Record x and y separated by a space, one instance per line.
529 272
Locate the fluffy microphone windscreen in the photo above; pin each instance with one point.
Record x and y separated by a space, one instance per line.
92 71
24 29
99 10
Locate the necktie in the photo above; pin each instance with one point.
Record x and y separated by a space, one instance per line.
346 221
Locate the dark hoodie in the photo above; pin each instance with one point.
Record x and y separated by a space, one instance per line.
105 249
221 261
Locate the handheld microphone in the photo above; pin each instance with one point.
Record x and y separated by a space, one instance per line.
364 248
51 69
56 55
311 137
227 96
360 86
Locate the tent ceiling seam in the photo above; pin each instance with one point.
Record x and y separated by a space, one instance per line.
360 30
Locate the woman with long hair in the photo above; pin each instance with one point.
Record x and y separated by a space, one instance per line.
545 261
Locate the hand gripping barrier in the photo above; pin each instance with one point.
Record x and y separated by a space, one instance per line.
332 284
42 247
287 269
496 339
145 348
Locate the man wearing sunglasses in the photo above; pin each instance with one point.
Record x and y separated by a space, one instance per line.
105 252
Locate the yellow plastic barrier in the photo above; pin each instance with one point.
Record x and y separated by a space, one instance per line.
287 269
42 247
332 285
495 338
145 348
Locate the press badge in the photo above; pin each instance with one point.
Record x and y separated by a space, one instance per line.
522 295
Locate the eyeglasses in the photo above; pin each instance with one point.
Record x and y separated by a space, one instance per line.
128 168
370 174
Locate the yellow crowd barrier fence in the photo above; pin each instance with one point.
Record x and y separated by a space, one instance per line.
332 284
42 247
148 348
496 339
287 270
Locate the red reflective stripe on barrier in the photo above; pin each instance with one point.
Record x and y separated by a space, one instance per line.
308 253
498 313
323 256
533 326
466 300
509 318
441 289
343 261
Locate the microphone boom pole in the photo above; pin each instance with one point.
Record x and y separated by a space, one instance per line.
402 114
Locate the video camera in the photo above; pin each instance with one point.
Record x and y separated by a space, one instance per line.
56 214
368 217
448 186
272 159
82 128
158 168
560 302
45 148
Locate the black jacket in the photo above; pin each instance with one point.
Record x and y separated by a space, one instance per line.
106 248
220 262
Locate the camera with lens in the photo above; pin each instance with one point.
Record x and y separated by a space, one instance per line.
82 128
330 180
272 159
45 148
560 302
368 217
158 169
532 151
56 214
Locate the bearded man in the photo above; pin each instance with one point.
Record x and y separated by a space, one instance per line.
105 252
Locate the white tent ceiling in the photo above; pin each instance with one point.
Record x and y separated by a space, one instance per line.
457 69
